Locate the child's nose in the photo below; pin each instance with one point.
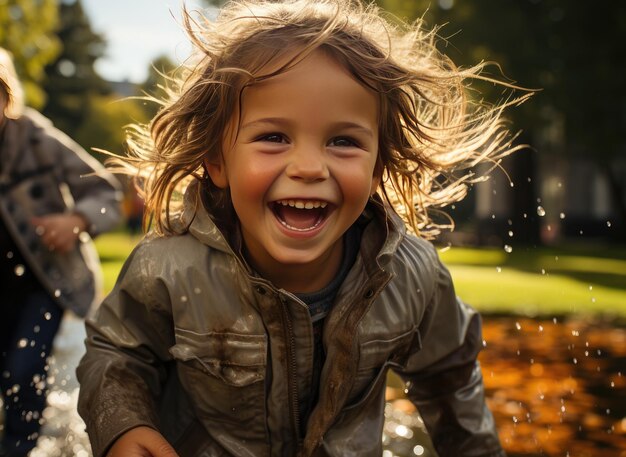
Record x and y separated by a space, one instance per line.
307 164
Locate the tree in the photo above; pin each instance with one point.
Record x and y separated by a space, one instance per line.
71 79
573 51
159 71
26 30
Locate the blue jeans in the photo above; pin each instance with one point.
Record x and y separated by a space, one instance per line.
28 326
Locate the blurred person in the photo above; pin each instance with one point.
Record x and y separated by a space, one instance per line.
54 197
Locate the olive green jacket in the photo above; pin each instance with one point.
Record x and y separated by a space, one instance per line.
192 343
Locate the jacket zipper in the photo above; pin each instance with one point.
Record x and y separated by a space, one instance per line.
292 386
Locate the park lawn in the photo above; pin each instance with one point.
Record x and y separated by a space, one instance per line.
529 281
114 248
540 281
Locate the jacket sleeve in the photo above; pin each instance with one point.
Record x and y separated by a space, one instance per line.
95 192
444 379
125 364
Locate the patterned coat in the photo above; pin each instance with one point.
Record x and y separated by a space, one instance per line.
42 172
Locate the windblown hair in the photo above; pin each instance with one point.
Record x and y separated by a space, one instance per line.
431 133
10 85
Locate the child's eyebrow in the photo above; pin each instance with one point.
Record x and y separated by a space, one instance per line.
281 122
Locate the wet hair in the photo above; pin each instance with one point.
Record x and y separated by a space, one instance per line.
10 86
431 133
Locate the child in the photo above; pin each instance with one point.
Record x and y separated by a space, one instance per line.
279 285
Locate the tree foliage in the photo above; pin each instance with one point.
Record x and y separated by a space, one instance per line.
573 51
71 78
26 30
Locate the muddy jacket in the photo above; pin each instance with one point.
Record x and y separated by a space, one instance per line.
42 172
192 343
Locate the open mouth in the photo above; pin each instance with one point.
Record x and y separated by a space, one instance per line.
300 215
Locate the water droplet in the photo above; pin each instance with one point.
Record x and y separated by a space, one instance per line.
36 329
57 293
22 343
76 230
511 233
540 211
541 328
554 320
484 343
9 254
498 269
543 271
183 298
197 291
518 326
562 215
580 232
103 210
419 450
608 223
612 384
590 287
512 184
47 316
40 230
508 248
575 360
608 411
19 270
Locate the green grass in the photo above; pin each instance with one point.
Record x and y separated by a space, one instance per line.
541 281
113 249
534 281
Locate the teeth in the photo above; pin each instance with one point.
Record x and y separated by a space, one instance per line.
303 204
300 229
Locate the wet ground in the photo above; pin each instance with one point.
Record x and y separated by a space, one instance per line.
557 387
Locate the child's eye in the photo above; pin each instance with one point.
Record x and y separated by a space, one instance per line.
343 142
272 138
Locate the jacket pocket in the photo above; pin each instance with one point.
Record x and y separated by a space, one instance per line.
376 356
223 374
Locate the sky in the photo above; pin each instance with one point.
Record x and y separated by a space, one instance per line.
137 31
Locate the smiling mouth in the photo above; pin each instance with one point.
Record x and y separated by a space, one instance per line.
300 215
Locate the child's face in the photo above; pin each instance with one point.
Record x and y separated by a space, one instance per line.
301 167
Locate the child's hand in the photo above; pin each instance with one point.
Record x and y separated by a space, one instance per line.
60 231
141 442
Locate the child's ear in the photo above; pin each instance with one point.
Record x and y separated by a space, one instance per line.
217 172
